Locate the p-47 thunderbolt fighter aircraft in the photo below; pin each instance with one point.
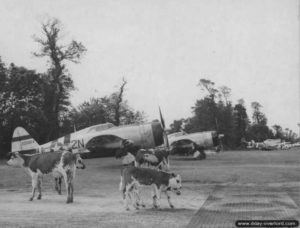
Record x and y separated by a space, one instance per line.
94 139
183 143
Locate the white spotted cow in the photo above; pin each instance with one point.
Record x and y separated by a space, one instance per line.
134 177
62 162
58 177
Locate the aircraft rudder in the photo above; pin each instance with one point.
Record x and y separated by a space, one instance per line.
22 141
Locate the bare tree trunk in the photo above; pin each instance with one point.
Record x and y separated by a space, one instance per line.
118 102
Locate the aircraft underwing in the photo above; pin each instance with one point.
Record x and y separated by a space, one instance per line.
183 143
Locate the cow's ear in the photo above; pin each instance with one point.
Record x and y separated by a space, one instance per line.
173 174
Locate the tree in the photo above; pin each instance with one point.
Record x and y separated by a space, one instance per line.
118 109
225 123
258 117
208 86
21 99
117 99
205 115
259 131
59 81
278 131
176 126
241 121
113 109
225 92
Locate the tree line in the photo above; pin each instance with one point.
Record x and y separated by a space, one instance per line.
216 112
40 102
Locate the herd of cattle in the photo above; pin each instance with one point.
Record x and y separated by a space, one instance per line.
146 167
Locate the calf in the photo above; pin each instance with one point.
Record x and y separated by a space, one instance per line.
62 163
133 177
158 158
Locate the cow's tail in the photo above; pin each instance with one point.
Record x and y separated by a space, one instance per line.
23 142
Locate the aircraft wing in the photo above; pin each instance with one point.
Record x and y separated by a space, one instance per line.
204 139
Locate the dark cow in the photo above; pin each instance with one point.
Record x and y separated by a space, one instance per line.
158 158
125 152
62 163
133 177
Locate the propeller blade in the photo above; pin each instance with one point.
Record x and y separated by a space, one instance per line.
162 119
166 140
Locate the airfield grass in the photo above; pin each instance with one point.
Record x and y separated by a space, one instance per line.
98 202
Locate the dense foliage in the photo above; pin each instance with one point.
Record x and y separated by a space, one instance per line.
216 112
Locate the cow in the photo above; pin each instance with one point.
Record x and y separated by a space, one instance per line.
61 162
134 177
158 159
58 177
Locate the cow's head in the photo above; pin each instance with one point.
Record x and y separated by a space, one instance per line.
15 160
79 162
175 184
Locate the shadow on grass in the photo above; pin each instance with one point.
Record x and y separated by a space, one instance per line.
185 158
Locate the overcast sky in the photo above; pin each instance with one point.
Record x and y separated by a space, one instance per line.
164 47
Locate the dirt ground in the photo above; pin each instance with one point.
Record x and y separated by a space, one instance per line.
216 192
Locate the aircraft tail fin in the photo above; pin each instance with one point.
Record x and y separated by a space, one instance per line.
22 141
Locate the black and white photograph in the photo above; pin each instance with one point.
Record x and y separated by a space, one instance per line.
149 113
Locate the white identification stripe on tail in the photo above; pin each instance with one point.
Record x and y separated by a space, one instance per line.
21 140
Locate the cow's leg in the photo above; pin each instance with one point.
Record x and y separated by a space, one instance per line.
59 185
39 185
127 196
71 182
56 184
34 181
64 174
69 185
158 195
166 164
136 195
139 201
169 199
122 188
136 164
57 181
155 196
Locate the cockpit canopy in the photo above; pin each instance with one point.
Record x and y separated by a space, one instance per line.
100 127
176 134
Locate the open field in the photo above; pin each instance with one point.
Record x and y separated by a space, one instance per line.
216 192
